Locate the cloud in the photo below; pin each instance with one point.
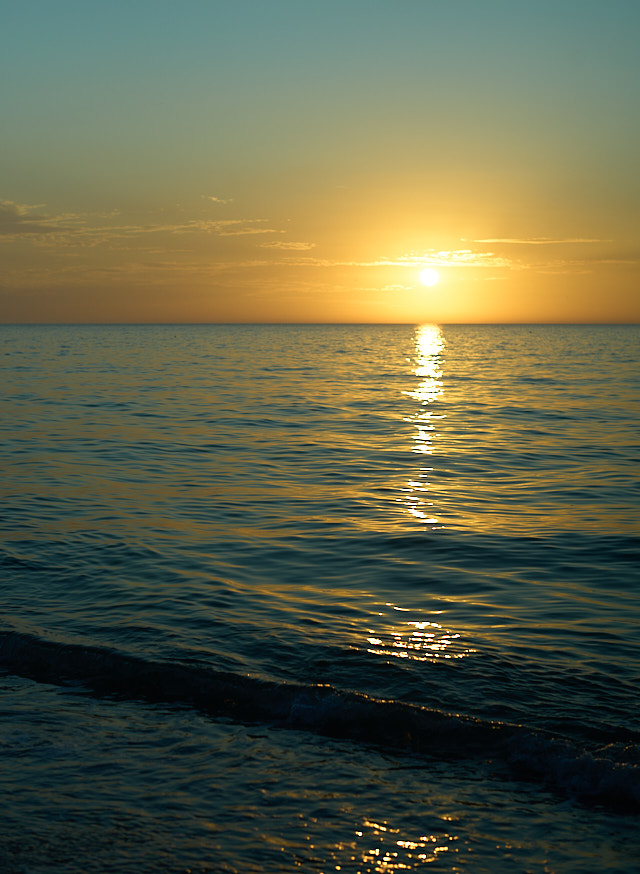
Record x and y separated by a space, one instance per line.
284 244
454 258
540 241
430 258
237 227
222 227
599 251
18 219
67 229
215 199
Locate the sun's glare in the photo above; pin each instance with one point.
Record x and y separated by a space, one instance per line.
429 276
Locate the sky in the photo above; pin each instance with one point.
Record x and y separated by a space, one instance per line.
304 161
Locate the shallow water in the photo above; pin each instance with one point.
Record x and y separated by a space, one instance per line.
278 596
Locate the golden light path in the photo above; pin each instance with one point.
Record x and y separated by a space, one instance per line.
417 636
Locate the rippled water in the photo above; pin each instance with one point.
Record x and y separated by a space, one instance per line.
358 598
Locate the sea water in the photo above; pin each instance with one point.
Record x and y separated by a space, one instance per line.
320 598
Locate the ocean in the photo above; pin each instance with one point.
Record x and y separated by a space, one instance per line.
320 598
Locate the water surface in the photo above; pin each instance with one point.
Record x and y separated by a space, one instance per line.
294 594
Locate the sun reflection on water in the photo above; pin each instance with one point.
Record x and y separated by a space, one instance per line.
429 346
422 641
427 365
393 852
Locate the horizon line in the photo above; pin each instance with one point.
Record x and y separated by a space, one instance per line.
311 324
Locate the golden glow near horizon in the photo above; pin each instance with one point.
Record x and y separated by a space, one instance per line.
201 179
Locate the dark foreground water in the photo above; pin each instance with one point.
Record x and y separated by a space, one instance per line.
345 598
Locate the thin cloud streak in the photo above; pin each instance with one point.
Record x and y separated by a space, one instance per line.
287 246
17 219
68 229
214 199
453 258
540 241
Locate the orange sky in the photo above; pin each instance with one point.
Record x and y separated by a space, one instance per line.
209 161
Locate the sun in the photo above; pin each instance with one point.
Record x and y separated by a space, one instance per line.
429 276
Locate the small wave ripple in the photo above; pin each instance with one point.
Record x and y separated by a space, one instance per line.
608 776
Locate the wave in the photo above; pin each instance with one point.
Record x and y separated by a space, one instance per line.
609 776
